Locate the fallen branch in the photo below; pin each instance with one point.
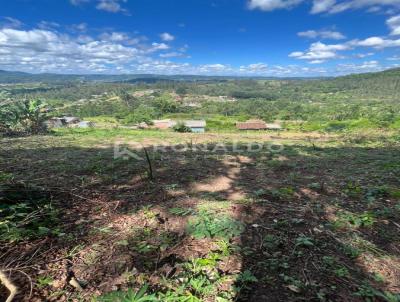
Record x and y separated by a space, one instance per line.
9 285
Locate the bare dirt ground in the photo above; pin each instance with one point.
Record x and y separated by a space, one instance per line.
318 220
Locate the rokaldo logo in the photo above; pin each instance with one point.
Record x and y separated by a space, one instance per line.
134 150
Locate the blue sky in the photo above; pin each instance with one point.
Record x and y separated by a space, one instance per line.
210 37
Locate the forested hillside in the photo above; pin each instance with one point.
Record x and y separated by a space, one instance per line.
334 104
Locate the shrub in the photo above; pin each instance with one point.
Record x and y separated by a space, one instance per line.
181 127
141 114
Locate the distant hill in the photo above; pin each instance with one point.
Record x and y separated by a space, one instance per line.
385 83
379 84
23 77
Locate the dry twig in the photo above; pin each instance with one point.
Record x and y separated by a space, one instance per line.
9 285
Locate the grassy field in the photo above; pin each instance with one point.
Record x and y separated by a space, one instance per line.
208 217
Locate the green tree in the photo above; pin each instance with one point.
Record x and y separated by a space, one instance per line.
23 116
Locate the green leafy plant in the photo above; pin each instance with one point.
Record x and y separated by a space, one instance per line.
246 277
130 296
350 220
23 116
5 177
304 241
44 281
212 225
353 190
26 218
370 294
181 211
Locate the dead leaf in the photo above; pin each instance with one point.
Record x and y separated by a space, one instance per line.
294 288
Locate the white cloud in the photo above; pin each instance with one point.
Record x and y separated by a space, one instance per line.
48 25
364 55
394 25
394 58
334 6
328 6
319 52
48 51
322 6
167 37
174 54
9 22
367 66
115 36
376 42
158 46
215 67
257 68
270 5
81 27
323 34
78 2
111 6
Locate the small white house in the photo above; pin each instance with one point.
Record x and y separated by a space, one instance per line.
85 124
70 120
276 127
196 126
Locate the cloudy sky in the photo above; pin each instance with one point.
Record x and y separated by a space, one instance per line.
209 37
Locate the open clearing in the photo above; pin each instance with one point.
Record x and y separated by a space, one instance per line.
318 220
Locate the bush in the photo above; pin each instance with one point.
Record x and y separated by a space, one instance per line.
141 114
181 127
23 116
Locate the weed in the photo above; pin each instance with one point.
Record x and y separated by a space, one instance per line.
44 281
5 177
27 219
376 192
246 277
370 294
276 194
148 213
351 251
201 286
350 220
341 272
353 190
394 193
103 230
378 277
304 241
212 225
225 248
271 242
129 296
171 186
144 248
181 211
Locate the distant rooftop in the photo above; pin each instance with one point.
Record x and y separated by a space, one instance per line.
195 124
